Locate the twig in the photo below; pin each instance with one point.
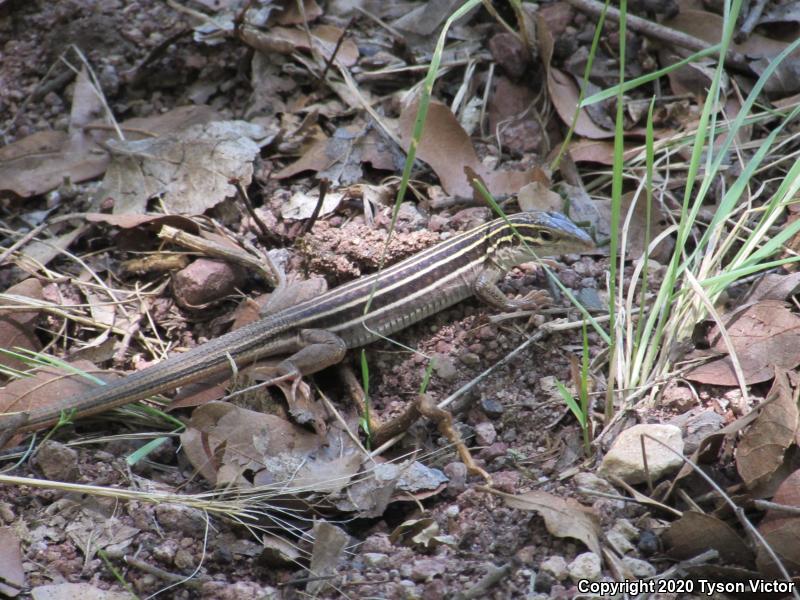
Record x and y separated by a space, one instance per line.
756 10
324 184
668 35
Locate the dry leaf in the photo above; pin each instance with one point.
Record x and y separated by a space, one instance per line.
563 517
153 222
765 335
763 444
194 169
18 328
782 530
564 91
446 147
695 533
224 441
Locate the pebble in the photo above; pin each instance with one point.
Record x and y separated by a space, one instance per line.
638 567
556 566
457 474
58 462
585 566
624 458
492 408
376 559
485 434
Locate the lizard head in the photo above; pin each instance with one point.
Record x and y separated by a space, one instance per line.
531 235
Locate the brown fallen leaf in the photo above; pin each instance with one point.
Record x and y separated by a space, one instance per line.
696 532
563 90
758 49
446 147
782 530
224 442
17 328
286 40
563 517
765 335
761 449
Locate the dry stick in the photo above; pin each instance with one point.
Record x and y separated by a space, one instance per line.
662 33
756 10
324 185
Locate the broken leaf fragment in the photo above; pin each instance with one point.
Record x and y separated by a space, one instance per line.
192 170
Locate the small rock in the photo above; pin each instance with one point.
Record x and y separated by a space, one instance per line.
494 451
204 281
555 566
626 528
591 482
409 588
426 569
492 407
376 559
526 555
624 459
619 542
378 542
184 560
485 434
445 366
506 481
509 53
586 566
165 551
638 568
457 474
177 517
58 462
648 543
435 590
452 511
470 359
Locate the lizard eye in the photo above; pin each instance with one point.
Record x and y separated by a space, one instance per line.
546 236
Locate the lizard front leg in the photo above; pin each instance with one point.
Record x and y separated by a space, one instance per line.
486 289
318 349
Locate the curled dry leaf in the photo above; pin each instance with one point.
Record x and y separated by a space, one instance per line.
193 169
765 335
761 449
285 40
696 532
563 517
153 222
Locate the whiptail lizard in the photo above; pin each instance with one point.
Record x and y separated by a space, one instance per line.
316 333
